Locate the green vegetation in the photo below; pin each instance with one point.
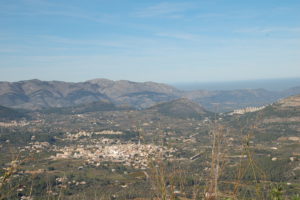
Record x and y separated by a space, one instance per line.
7 114
218 157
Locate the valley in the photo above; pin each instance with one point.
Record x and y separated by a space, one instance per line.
125 153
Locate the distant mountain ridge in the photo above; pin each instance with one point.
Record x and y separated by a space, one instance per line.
36 94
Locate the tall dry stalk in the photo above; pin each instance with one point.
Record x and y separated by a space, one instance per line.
6 189
247 163
212 192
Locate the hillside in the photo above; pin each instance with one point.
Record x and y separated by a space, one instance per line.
36 94
10 114
180 108
97 106
137 94
223 101
281 119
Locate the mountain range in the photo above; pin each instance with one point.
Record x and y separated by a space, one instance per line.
36 94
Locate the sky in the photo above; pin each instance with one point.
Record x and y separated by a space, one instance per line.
149 40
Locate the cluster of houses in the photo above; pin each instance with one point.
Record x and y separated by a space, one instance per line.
35 147
134 155
94 151
80 134
247 110
13 123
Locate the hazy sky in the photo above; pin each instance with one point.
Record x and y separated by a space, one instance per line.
142 40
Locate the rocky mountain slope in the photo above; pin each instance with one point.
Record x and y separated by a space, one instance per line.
139 95
36 94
